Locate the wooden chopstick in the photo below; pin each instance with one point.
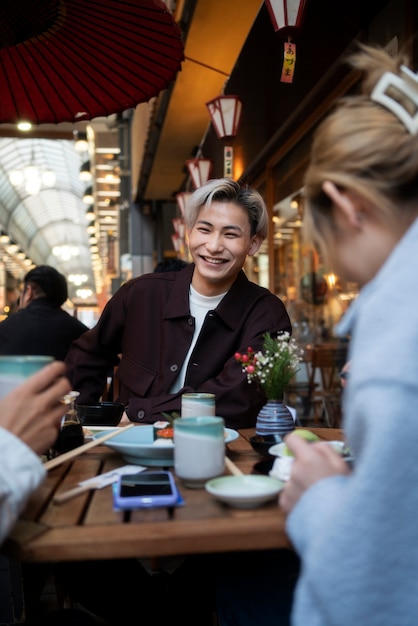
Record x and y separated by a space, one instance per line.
72 493
232 467
87 446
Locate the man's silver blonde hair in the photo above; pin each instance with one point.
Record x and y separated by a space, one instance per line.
227 190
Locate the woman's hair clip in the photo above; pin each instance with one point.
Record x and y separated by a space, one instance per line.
405 85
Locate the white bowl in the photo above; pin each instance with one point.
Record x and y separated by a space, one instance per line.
279 448
244 492
137 445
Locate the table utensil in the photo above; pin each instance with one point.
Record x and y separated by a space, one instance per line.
97 482
67 456
230 465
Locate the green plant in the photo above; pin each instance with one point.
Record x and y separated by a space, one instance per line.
273 367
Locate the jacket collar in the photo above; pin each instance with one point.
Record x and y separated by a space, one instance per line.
228 309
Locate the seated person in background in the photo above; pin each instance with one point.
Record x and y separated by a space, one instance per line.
41 326
178 332
170 265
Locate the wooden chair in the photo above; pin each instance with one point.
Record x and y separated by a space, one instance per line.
325 389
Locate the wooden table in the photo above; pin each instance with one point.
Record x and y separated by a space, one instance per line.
86 527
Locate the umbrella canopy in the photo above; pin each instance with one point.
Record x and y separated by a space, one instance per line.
74 60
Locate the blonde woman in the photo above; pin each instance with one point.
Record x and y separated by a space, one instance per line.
356 533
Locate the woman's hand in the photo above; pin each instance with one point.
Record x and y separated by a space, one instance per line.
33 410
313 461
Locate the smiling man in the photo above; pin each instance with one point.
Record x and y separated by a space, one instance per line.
177 332
171 333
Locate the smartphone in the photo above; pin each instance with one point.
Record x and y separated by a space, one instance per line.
146 489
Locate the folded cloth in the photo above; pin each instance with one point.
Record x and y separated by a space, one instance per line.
282 467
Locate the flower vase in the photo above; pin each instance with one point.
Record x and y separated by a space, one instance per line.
274 419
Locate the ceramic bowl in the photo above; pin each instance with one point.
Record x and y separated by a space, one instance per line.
138 447
280 448
100 414
262 443
244 492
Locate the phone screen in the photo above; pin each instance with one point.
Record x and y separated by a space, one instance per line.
138 485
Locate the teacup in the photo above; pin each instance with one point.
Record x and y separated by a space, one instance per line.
199 449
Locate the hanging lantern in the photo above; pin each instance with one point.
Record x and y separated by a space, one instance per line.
200 170
182 198
225 114
286 13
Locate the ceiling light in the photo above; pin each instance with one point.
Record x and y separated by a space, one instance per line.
12 247
182 198
25 126
225 114
90 214
78 279
88 197
80 141
200 170
65 252
85 172
32 177
84 293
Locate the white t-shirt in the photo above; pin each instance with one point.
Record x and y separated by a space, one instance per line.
199 307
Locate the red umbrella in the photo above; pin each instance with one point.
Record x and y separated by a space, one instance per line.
74 60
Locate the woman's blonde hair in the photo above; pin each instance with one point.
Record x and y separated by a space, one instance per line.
362 146
227 190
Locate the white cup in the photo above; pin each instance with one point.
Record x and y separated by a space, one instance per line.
199 449
196 404
15 369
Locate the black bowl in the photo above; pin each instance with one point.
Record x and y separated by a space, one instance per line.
100 414
262 443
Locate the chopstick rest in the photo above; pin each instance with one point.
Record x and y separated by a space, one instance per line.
97 482
67 456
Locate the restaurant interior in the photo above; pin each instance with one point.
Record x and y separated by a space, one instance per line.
109 208
101 197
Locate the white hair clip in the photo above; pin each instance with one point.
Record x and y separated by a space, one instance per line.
407 86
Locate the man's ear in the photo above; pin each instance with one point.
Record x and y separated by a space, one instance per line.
347 203
255 245
29 293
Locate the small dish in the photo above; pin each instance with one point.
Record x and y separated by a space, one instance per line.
279 448
262 443
244 492
264 466
100 414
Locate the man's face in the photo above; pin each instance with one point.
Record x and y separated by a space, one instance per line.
219 243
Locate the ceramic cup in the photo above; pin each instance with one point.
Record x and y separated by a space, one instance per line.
15 369
195 404
199 449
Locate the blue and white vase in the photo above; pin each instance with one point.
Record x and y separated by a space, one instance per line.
274 418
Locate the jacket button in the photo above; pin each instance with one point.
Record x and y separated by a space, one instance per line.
174 368
190 321
141 414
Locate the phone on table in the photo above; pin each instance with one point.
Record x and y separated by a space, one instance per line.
151 488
